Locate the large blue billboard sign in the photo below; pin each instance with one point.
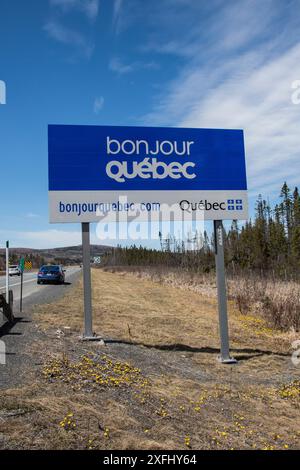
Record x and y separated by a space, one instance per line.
94 169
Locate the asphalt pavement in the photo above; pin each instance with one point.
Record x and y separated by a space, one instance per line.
34 293
16 337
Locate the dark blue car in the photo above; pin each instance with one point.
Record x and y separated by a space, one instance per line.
51 274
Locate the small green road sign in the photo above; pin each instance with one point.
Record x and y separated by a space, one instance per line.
22 264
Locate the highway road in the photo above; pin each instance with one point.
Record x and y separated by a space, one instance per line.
24 331
34 293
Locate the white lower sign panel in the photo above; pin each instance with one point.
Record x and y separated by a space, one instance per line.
93 206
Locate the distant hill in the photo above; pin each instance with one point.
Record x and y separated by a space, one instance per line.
62 255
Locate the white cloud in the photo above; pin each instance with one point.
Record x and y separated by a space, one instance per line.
31 215
117 8
116 65
257 100
68 36
92 9
241 77
65 4
117 13
89 7
63 34
2 92
98 104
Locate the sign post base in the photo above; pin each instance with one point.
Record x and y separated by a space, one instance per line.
94 338
228 360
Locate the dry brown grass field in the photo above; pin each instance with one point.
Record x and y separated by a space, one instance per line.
156 383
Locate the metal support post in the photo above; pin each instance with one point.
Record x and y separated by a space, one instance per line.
222 298
87 285
7 270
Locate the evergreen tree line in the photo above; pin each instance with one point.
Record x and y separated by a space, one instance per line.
268 245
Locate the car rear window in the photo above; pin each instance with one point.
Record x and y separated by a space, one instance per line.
50 269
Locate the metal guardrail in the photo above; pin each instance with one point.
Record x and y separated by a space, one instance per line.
7 307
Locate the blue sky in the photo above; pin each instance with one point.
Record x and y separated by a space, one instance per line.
138 62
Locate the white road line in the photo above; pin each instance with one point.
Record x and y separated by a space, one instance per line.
34 279
18 283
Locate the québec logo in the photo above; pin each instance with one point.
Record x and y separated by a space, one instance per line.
234 204
148 167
